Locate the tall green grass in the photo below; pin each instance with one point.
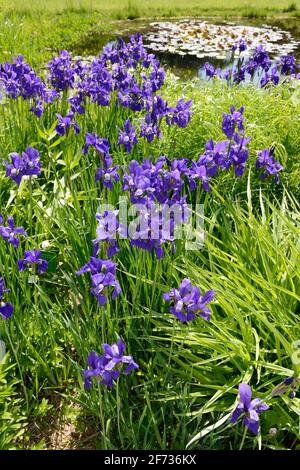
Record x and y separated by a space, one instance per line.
37 28
125 8
12 415
252 261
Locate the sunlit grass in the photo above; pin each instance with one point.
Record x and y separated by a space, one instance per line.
125 8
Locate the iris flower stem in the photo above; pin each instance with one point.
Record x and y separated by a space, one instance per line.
30 205
172 345
243 439
230 80
35 288
102 417
156 276
198 192
64 102
103 325
118 412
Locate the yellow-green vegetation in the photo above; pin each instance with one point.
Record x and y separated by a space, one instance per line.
36 28
137 8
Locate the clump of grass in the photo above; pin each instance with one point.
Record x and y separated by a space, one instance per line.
252 261
292 7
12 420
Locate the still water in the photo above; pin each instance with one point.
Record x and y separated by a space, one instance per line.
184 45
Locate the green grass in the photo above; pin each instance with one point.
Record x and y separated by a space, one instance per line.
12 420
252 262
37 28
126 8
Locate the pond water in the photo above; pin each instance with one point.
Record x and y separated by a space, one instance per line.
184 45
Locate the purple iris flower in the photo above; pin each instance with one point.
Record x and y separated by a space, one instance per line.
11 233
26 166
20 80
62 71
100 145
170 183
133 98
15 169
157 78
149 129
227 74
261 58
100 284
77 103
155 226
95 369
107 230
181 114
249 408
33 257
149 245
108 176
241 45
127 137
198 304
188 302
214 157
96 265
48 95
251 67
269 166
115 355
288 64
112 247
272 77
159 190
199 172
32 164
157 107
105 173
95 82
108 367
103 277
6 309
210 70
138 182
38 108
65 124
239 153
232 121
239 74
